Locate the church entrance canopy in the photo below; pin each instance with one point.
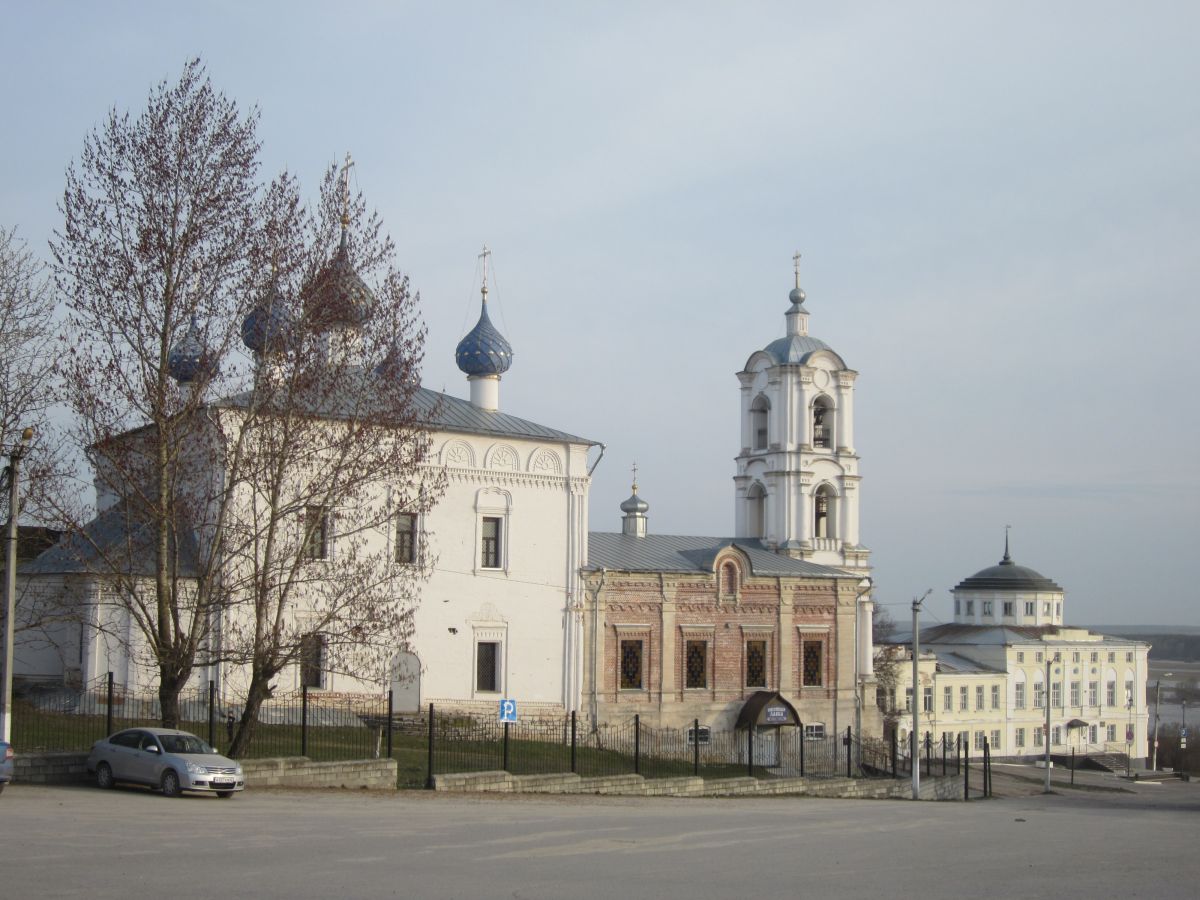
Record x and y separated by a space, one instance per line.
767 709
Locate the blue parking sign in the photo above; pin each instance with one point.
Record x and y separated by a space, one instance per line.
508 710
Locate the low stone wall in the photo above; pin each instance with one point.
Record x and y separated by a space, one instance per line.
50 768
948 788
301 772
291 771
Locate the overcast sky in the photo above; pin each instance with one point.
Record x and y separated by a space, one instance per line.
998 206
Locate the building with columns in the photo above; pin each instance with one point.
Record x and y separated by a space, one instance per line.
990 674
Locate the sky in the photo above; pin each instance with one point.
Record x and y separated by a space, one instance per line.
997 205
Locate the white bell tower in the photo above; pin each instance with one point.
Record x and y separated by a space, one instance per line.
797 478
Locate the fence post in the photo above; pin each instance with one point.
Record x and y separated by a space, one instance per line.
304 720
848 749
928 755
1072 766
894 753
750 750
429 761
390 713
944 754
573 741
801 749
637 744
695 746
108 715
212 721
966 757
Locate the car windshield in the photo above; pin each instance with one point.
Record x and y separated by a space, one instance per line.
184 743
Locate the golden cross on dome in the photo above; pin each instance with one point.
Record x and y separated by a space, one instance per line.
635 468
484 256
796 266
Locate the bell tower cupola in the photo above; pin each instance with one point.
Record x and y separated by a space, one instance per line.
796 484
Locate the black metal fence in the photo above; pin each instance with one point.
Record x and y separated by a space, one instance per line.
460 743
49 717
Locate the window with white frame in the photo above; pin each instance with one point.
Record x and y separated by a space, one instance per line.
406 538
1056 693
927 700
962 698
814 731
979 696
1021 656
316 533
1110 694
970 607
1039 658
1129 656
1093 693
1075 656
995 696
964 740
487 667
948 699
312 660
1019 695
1093 734
491 542
1129 692
1110 732
1039 695
1112 656
1095 656
1039 736
979 735
1019 736
987 607
995 740
1075 688
1056 735
1030 608
908 692
1008 609
1046 609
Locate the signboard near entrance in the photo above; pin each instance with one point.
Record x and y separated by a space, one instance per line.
777 715
508 710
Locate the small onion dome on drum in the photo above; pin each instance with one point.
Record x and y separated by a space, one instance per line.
265 328
188 360
635 504
1007 576
484 351
337 297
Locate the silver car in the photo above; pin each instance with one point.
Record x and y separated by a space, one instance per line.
164 758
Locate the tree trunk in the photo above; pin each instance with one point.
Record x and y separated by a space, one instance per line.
259 691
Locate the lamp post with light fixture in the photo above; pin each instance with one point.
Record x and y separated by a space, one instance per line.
1157 700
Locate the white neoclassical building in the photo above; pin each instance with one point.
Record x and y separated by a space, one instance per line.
1008 653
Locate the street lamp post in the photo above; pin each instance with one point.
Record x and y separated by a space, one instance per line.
10 579
1183 739
915 737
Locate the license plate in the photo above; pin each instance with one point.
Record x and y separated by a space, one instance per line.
222 784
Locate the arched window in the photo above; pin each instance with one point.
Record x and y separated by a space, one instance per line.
760 411
756 510
822 423
824 504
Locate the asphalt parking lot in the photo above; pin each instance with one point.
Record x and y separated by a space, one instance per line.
84 842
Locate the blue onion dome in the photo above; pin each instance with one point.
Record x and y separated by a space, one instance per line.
337 296
484 351
265 328
188 360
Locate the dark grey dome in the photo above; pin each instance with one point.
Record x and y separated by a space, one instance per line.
338 297
484 351
1007 576
265 328
635 504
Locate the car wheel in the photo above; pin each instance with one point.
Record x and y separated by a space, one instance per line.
170 783
104 776
224 795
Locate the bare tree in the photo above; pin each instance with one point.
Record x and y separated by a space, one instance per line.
154 260
27 378
327 453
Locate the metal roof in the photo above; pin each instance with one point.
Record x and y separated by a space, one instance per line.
955 664
115 542
437 411
687 553
999 635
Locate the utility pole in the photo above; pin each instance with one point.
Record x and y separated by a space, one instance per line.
10 578
916 695
1157 700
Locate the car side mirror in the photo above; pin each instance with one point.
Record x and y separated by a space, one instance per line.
151 748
